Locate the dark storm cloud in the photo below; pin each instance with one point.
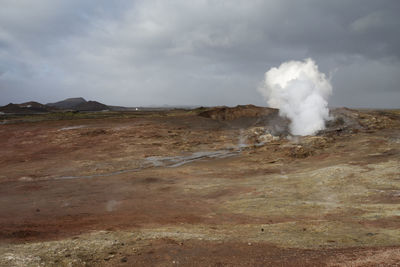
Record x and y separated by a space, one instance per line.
194 52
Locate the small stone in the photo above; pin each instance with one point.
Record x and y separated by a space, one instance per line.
124 259
249 244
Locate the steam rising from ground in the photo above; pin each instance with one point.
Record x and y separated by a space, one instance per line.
300 92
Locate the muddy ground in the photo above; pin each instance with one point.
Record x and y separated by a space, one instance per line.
206 187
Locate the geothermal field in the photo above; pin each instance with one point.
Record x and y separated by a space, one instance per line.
199 133
199 187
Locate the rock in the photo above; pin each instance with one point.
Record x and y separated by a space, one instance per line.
300 152
315 142
258 136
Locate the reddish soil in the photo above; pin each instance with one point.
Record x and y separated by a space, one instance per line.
167 252
36 205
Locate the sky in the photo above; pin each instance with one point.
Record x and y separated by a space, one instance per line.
197 52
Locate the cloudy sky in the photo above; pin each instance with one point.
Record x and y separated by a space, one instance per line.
197 52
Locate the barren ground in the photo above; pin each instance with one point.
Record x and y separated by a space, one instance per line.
173 188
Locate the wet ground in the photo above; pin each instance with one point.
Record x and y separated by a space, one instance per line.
174 188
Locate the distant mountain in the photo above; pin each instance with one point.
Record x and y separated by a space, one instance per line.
26 108
12 108
77 104
91 106
36 106
69 103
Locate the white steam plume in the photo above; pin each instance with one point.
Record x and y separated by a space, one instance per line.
300 92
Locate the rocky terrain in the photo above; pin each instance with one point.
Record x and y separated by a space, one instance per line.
205 187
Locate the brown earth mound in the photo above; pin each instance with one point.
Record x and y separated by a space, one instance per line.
343 120
228 113
351 120
249 116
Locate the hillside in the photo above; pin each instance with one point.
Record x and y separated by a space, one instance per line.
32 107
69 103
26 108
91 106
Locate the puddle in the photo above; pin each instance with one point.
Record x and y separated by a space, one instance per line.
72 128
170 162
181 160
